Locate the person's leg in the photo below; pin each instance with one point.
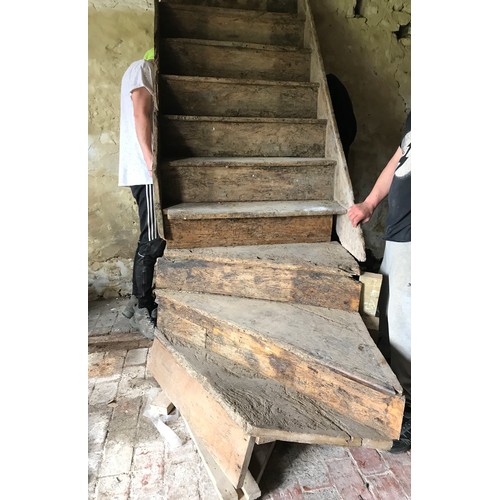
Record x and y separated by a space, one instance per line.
398 265
150 246
396 268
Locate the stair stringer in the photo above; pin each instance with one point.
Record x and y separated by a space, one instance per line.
350 238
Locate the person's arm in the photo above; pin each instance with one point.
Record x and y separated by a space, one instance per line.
143 109
362 212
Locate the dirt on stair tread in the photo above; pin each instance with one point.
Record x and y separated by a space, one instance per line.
234 161
333 338
268 410
252 209
328 257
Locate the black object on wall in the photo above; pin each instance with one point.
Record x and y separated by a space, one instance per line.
344 112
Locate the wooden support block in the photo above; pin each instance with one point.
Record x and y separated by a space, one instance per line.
370 291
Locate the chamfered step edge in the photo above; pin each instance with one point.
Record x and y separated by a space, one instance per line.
253 209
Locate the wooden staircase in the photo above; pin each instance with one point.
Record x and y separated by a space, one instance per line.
259 334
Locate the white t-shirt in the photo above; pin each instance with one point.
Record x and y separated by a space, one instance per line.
132 169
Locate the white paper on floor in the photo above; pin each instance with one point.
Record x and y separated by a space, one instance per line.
160 421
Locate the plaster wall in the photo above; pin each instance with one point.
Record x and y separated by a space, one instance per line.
366 43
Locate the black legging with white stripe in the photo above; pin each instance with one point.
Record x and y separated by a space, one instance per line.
149 247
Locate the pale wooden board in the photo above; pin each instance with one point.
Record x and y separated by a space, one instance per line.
228 443
370 293
261 407
251 209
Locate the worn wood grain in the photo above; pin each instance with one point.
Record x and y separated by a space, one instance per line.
209 23
203 96
246 231
264 408
232 182
229 445
321 274
186 136
182 56
325 354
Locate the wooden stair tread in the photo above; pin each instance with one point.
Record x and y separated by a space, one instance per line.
243 119
271 161
328 256
252 209
262 407
268 16
237 45
240 81
286 6
333 338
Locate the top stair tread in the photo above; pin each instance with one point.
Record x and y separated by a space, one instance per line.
251 209
289 6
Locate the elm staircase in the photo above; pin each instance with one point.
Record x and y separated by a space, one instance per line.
259 334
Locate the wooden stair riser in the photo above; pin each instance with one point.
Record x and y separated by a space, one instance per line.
289 6
223 138
206 23
246 231
245 183
367 405
226 441
213 97
232 60
260 281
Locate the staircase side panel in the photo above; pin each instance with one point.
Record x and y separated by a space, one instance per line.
351 238
229 445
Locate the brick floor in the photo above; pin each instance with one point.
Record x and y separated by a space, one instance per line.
128 458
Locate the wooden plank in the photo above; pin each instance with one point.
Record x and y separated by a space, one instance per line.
325 354
242 184
99 343
322 275
264 408
225 490
260 457
181 56
185 136
209 23
204 96
262 5
229 445
257 231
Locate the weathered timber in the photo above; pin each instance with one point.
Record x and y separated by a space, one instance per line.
241 179
186 136
350 237
183 56
370 292
211 23
324 353
133 340
246 231
320 274
263 5
221 395
229 444
205 96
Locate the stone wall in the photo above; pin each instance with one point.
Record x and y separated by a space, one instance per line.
366 43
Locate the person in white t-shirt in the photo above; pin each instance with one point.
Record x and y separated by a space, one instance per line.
136 171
